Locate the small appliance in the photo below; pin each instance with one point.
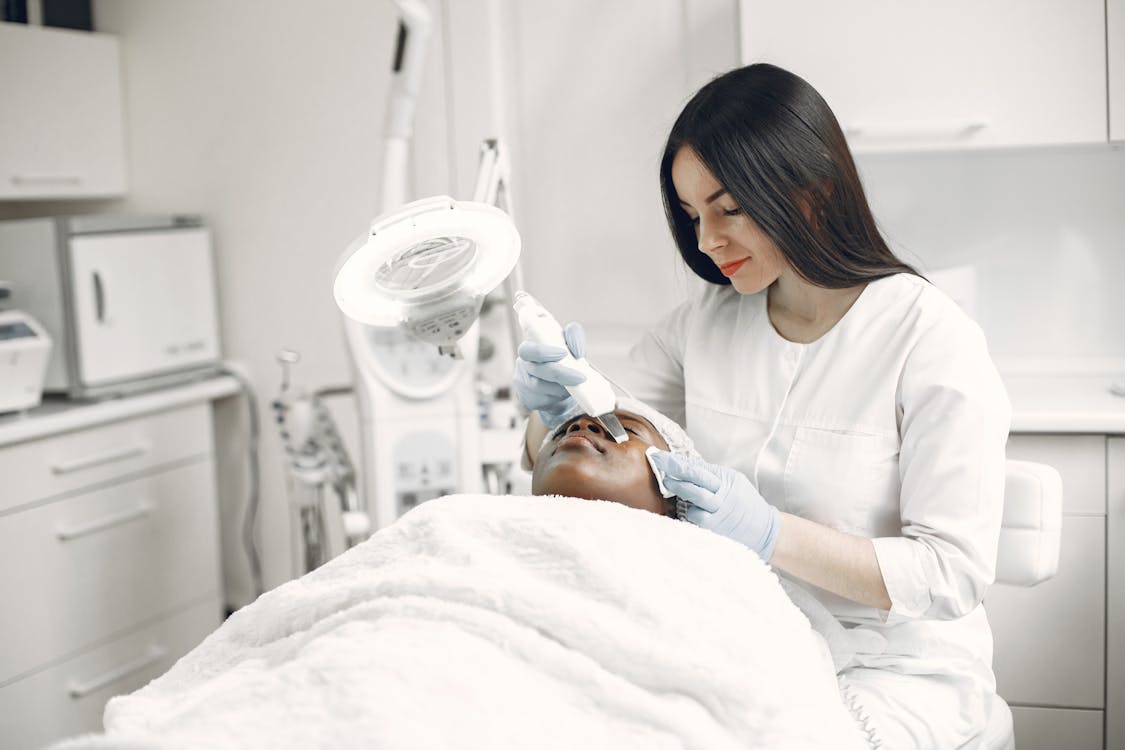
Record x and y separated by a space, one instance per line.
129 301
24 350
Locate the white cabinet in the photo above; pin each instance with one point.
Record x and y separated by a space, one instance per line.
1058 729
1115 588
62 132
67 698
1115 36
1050 652
954 74
113 530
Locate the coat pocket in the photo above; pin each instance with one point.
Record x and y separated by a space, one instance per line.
846 480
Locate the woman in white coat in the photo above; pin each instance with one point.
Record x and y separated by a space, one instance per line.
852 417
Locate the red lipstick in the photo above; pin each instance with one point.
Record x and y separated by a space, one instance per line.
730 269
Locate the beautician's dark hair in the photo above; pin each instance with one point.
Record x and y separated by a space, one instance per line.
771 140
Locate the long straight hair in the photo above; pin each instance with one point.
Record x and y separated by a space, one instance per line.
771 140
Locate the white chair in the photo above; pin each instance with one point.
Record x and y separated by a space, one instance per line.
1028 554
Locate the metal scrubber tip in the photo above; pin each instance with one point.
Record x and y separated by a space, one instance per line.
613 426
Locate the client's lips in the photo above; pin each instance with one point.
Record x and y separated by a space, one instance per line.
579 439
730 269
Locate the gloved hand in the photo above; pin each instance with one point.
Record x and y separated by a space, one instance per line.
539 378
722 500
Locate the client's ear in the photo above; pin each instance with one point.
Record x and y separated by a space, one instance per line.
669 507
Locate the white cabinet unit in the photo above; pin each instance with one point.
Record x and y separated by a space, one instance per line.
1115 590
1115 37
111 536
62 132
1057 728
955 74
1050 640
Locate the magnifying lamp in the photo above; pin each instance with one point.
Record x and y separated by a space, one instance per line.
426 267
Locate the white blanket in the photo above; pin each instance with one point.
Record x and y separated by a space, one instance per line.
506 622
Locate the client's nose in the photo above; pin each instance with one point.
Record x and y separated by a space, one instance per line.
585 423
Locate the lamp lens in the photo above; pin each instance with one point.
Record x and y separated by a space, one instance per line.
429 265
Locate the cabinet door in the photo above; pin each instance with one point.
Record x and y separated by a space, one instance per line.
1115 588
68 698
69 462
1115 35
124 328
98 563
61 134
954 74
1058 728
1050 639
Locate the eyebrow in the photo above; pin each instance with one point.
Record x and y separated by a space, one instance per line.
709 199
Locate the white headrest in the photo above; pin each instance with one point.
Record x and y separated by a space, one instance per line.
1031 531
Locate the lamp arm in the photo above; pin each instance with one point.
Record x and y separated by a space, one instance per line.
414 28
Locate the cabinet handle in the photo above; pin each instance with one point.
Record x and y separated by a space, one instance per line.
67 467
916 130
66 533
99 297
27 180
78 689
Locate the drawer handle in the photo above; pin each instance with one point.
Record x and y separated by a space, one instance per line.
67 467
20 180
82 689
916 130
65 533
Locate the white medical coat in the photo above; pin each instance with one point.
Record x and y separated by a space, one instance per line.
891 426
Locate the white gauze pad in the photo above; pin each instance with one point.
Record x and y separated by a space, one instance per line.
664 491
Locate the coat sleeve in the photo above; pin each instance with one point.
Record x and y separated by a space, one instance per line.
954 415
656 364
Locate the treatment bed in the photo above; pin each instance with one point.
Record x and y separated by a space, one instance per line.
508 622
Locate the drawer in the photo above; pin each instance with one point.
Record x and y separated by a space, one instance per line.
69 698
1057 728
91 566
1050 639
1080 460
71 461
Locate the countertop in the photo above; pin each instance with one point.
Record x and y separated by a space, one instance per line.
1066 402
1044 399
56 415
1066 395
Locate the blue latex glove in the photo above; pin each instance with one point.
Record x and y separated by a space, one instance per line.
539 378
722 500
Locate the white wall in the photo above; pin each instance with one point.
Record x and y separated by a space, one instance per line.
265 116
598 87
1045 229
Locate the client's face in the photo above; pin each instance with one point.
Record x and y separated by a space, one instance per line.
581 460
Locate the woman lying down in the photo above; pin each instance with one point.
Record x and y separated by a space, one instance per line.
515 622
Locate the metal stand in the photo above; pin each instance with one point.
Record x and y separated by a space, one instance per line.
326 517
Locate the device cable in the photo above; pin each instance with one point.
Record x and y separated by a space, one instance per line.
250 519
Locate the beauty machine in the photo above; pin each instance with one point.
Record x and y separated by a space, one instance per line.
423 292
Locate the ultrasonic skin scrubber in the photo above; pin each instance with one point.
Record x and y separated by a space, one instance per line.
595 396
